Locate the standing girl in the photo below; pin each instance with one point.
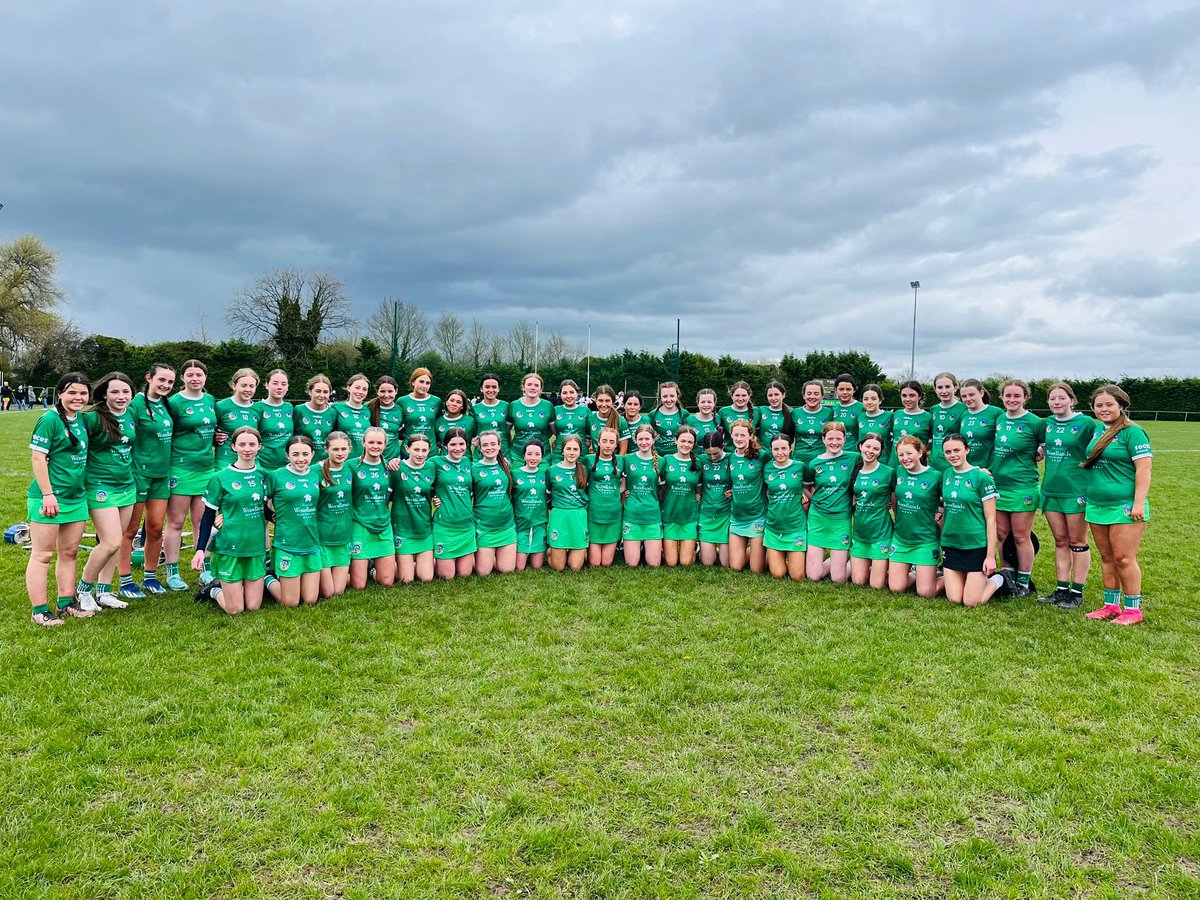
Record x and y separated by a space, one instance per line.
353 417
1019 435
739 409
605 470
456 413
335 514
667 418
412 512
715 494
748 504
1064 495
680 479
978 424
704 420
874 419
1118 506
495 525
911 420
604 416
810 423
776 417
490 412
194 414
946 415
420 407
529 416
643 528
569 418
846 409
785 537
871 543
828 488
314 418
386 414
295 492
56 501
453 519
969 528
276 422
632 419
372 542
234 412
531 495
915 541
568 507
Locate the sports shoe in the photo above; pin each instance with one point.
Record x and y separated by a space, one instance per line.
1005 591
110 600
47 620
1059 595
1129 617
207 577
153 586
1072 601
131 591
207 592
176 583
87 601
1021 590
75 611
1107 611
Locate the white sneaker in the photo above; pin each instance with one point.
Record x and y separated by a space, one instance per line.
111 601
87 602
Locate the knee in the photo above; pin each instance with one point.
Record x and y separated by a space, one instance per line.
1125 560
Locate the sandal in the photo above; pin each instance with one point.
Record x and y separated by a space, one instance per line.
46 620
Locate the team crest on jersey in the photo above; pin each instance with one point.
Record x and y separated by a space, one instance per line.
189 410
924 485
439 549
356 547
1027 500
362 475
236 485
554 535
284 564
101 496
290 485
1074 429
845 540
625 528
173 482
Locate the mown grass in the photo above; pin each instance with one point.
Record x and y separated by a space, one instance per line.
609 734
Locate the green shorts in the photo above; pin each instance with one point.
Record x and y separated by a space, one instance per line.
102 497
568 529
714 529
916 554
871 549
1068 506
828 532
185 483
487 540
1114 515
68 511
233 569
604 532
406 545
453 543
335 556
676 531
292 565
1019 500
532 540
634 532
364 545
751 528
149 487
792 542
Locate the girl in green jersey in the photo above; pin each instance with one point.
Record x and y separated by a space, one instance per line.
234 411
456 413
604 416
490 412
968 528
1064 495
1019 437
571 417
810 422
314 419
910 420
947 416
372 544
715 494
353 416
680 491
568 507
420 407
632 419
776 417
111 490
704 419
1118 507
56 502
529 416
846 409
978 423
453 517
739 408
785 533
236 493
828 490
667 418
874 419
412 511
276 422
605 468
642 528
495 523
871 543
335 514
748 505
915 541
194 414
295 495
387 414
531 494
151 473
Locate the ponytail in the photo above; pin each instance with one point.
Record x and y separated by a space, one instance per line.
1111 432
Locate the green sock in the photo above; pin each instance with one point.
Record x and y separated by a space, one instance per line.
102 588
41 609
64 602
1063 585
269 580
172 569
1133 601
1112 597
1076 587
150 573
207 567
83 586
1023 578
126 579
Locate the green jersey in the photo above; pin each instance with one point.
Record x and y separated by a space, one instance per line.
276 425
642 506
746 480
964 526
727 415
490 486
979 431
463 421
770 423
412 500
666 427
109 462
452 485
231 416
372 488
906 424
492 418
530 496
1112 479
391 420
681 480
195 422
946 420
872 505
529 423
810 432
716 484
565 492
918 495
880 424
604 489
314 424
704 427
353 422
419 416
570 421
238 495
785 496
66 460
1014 458
152 443
832 479
596 424
628 428
1066 447
335 516
294 498
848 414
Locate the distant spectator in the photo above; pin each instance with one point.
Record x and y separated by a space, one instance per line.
6 397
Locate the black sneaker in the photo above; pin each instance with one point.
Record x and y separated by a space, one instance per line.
1073 600
207 592
1020 591
1010 584
1059 595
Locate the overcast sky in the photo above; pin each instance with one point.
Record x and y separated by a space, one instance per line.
773 173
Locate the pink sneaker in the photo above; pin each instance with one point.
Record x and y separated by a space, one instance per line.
1107 611
1129 617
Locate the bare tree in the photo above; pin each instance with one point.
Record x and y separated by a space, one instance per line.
291 310
448 335
410 326
497 348
558 349
478 343
521 340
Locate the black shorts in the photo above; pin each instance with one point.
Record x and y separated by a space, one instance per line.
957 560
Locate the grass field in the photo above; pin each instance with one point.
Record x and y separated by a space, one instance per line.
609 734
